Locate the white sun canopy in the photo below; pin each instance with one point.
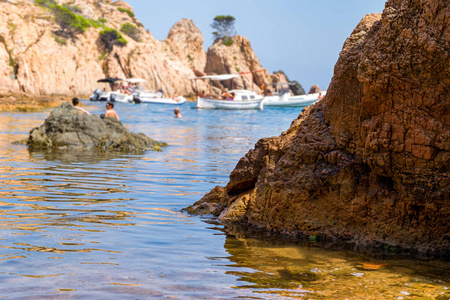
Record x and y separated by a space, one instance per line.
219 77
134 80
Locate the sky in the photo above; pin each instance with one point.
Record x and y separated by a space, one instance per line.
301 38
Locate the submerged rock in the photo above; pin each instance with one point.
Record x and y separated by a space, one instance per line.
371 163
70 128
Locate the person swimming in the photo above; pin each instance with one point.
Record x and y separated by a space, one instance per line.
75 102
110 112
177 113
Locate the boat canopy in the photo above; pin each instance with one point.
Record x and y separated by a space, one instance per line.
219 77
134 80
109 80
281 83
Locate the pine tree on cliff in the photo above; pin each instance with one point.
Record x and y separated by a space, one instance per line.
224 26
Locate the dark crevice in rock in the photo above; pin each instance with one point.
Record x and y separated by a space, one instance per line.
242 187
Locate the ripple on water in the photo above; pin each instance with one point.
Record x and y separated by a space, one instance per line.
108 225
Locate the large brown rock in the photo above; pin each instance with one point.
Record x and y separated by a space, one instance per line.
370 164
238 57
186 42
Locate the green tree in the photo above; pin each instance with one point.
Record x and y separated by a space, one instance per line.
73 8
127 11
45 3
111 37
224 28
131 31
69 22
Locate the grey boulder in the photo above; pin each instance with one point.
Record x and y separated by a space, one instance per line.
70 128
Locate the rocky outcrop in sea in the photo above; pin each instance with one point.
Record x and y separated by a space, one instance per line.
371 163
68 128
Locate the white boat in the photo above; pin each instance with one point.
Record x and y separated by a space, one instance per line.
158 98
116 96
146 96
100 95
241 99
287 100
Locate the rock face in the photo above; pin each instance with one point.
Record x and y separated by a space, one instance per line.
371 163
36 59
236 58
186 42
29 46
294 86
314 89
70 128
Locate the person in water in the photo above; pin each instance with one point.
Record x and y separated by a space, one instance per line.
75 102
320 97
177 113
110 112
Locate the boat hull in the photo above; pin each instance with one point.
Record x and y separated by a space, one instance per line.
209 103
114 96
302 100
156 100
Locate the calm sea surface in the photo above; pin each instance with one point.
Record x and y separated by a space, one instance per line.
109 226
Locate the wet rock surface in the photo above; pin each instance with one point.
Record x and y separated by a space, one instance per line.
371 163
70 128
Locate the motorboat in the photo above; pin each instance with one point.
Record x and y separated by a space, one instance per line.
240 99
158 98
102 95
145 96
288 100
112 95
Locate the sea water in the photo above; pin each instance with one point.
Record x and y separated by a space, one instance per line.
85 225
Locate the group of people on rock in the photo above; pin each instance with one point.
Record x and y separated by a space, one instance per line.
110 112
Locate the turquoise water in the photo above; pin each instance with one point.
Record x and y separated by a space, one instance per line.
109 226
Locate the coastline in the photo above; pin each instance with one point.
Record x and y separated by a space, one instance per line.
28 103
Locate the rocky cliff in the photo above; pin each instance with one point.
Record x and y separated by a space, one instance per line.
45 52
37 59
371 163
238 57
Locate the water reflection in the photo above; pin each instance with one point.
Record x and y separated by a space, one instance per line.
307 271
91 156
107 225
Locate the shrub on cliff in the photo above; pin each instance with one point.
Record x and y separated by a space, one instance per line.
69 22
111 37
45 3
224 26
73 8
131 30
127 11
